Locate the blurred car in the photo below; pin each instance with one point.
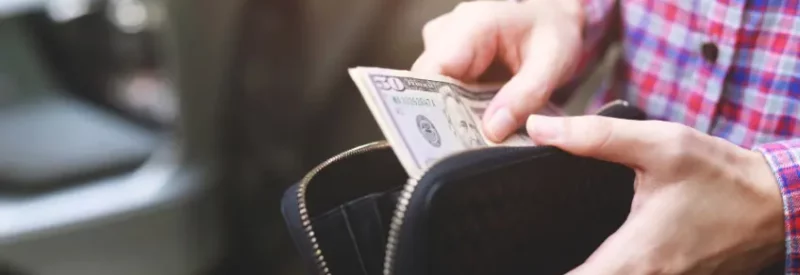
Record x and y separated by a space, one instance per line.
94 176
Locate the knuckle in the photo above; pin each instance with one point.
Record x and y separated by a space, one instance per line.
466 7
430 28
683 137
537 96
418 63
679 144
474 14
479 9
528 104
603 129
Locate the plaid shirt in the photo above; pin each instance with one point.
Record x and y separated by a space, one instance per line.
730 68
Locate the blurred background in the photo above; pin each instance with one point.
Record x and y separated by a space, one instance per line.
157 136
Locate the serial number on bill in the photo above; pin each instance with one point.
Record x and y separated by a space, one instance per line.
415 101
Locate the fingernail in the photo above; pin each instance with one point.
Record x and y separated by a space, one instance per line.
501 123
544 128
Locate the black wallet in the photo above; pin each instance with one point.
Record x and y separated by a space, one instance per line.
496 210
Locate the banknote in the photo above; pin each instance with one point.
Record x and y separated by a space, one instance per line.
426 118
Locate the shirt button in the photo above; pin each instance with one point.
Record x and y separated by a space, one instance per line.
710 52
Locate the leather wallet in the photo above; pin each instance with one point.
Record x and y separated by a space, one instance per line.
496 210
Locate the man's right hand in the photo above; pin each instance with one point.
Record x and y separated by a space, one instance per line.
539 41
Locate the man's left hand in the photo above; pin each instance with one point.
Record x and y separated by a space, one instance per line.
702 204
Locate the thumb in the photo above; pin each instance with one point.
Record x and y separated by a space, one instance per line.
633 143
548 59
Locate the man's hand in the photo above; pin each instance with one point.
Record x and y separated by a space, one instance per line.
539 41
702 205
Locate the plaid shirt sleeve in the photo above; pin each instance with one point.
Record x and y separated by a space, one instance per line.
784 158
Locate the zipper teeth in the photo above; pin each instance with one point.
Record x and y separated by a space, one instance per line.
303 206
611 104
399 216
405 198
397 223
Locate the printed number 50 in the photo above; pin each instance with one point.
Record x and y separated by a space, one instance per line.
388 83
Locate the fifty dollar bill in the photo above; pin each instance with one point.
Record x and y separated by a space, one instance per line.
428 117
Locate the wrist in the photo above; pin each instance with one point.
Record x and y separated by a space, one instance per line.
762 179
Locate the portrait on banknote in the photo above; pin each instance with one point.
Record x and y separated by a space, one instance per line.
459 119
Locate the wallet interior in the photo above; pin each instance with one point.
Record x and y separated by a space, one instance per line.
350 200
356 176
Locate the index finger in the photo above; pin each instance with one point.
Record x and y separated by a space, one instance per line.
462 44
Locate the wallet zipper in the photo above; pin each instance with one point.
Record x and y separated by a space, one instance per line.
404 200
611 104
301 197
408 190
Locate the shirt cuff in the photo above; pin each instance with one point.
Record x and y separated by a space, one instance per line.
784 159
